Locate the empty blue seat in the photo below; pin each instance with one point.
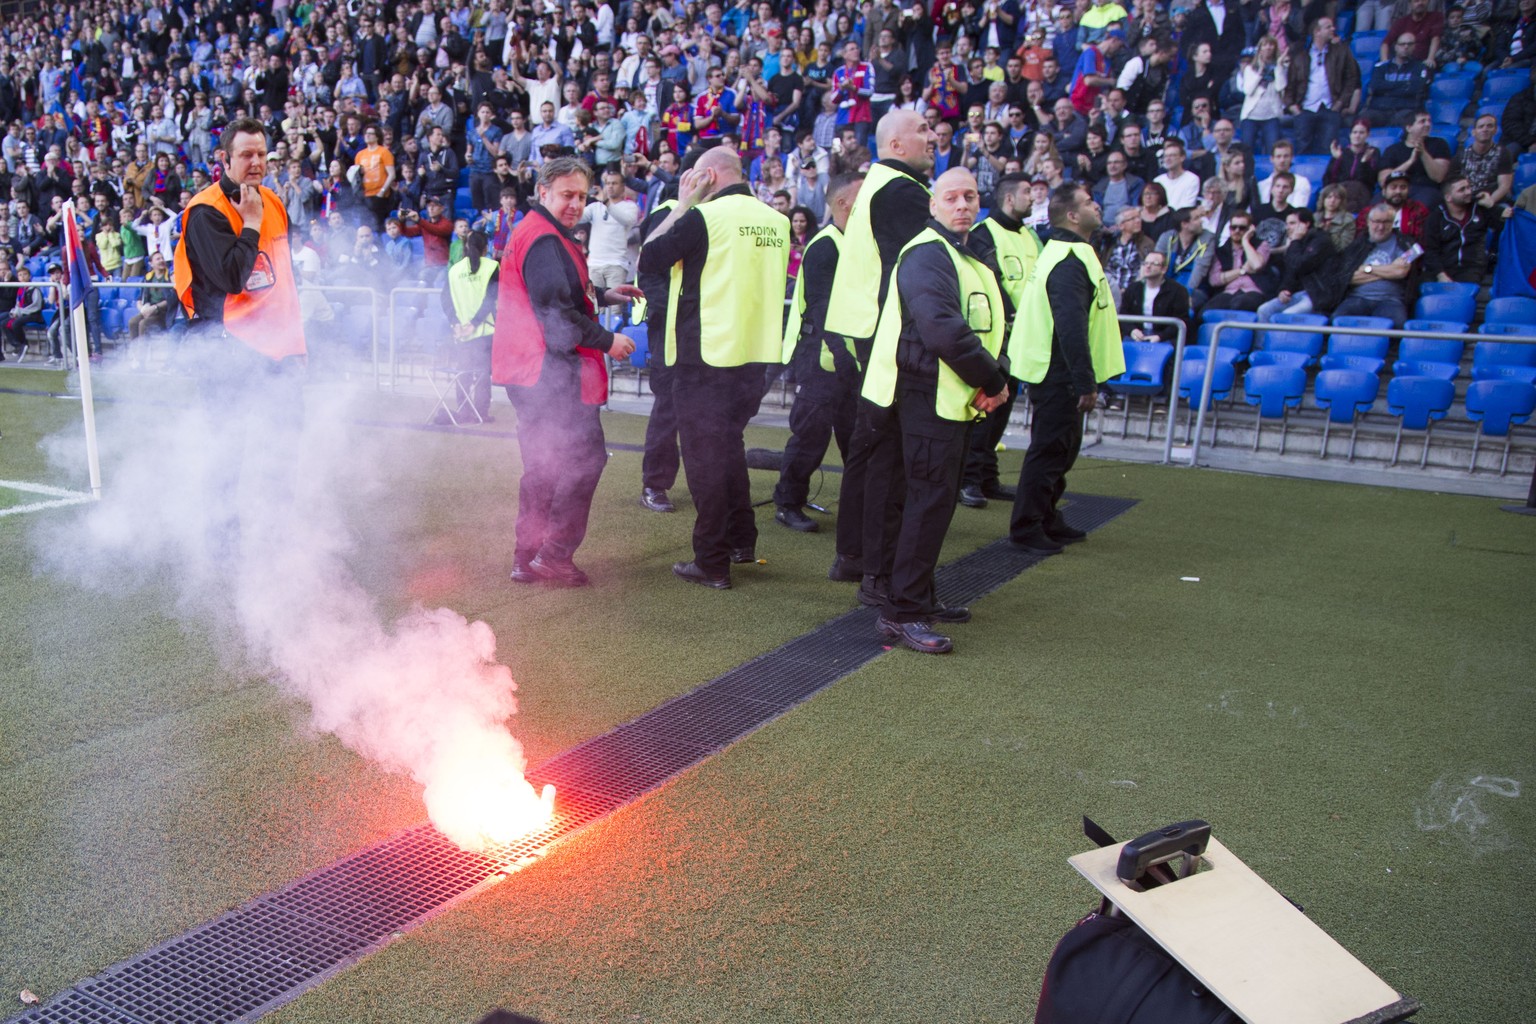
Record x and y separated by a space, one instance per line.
1274 391
1381 138
1192 383
1452 87
1431 349
1239 338
1367 46
1146 373
1344 394
1486 328
1511 309
1358 351
1418 402
1454 306
1502 88
1447 111
1291 348
1461 288
1496 406
641 335
1224 354
1504 360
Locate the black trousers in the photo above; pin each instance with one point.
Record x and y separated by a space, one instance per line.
869 502
561 441
659 465
933 451
719 402
981 458
1056 436
824 409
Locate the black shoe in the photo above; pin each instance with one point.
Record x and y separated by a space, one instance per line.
521 573
691 572
743 556
1061 533
442 419
944 613
919 636
971 497
998 491
1036 542
564 573
655 499
845 570
794 518
873 590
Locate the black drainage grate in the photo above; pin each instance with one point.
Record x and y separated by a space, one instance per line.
259 956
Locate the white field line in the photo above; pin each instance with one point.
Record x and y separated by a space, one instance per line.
60 495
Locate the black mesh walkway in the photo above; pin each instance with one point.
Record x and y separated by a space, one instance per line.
263 954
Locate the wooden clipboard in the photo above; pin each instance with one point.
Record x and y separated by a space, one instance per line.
1248 945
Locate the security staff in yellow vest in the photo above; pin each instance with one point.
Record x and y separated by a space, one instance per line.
826 374
728 258
233 273
891 208
1064 342
1011 247
936 363
469 299
661 461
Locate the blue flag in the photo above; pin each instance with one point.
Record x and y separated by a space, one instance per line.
1516 271
74 258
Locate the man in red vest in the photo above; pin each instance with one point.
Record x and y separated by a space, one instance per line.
549 352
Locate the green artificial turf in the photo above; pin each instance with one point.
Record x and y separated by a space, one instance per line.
1345 693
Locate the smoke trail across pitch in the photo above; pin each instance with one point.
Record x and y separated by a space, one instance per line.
264 559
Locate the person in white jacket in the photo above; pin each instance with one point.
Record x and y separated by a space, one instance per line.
1262 83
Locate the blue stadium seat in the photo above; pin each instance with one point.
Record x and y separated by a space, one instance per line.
641 335
1458 306
1263 165
1146 373
1486 328
1312 168
1448 111
1452 87
1236 339
1358 351
1427 357
1496 108
1525 172
1436 326
1503 88
1511 309
1367 46
1381 138
1496 406
1344 394
1418 402
1504 360
1291 348
1450 134
1274 391
1192 382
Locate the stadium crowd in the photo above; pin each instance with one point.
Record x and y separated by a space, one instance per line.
1257 155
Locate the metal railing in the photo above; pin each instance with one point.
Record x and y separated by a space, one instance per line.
373 317
393 337
1325 329
1180 339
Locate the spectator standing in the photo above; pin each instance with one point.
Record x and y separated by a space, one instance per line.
1220 25
1322 88
482 146
853 83
611 220
439 169
1422 158
1262 83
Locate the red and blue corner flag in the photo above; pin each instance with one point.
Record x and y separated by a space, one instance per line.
74 261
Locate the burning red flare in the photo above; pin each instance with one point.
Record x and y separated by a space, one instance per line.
477 797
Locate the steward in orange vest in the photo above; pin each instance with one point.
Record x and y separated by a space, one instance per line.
238 274
548 352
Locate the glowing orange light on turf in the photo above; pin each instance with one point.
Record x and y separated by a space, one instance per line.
484 801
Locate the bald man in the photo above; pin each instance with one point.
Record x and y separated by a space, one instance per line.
891 208
726 256
936 364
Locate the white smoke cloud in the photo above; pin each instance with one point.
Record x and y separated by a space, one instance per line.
422 695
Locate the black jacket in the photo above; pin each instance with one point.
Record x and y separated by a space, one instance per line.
1458 250
1070 292
1172 299
1303 258
933 325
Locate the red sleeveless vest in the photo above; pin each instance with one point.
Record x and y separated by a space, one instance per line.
517 350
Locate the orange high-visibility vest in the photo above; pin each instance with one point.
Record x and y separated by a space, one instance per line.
265 314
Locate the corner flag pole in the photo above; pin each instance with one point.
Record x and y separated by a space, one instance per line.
79 283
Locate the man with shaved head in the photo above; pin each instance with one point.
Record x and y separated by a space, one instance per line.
726 256
891 208
936 364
